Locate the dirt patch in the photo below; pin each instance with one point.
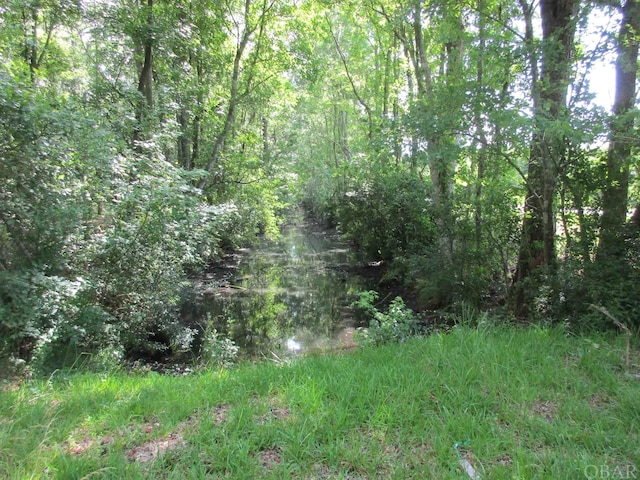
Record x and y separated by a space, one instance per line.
156 447
504 460
80 446
323 472
270 458
599 402
320 471
276 412
220 413
280 413
417 457
149 427
81 442
395 454
544 408
152 449
107 440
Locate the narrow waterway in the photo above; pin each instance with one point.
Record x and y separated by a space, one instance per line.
285 297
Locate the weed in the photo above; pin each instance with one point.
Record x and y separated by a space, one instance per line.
397 324
217 350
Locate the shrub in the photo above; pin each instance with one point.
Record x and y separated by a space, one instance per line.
387 215
397 324
216 350
49 321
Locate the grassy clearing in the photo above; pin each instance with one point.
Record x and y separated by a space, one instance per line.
523 403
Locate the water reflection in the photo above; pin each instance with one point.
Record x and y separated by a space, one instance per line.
289 296
293 345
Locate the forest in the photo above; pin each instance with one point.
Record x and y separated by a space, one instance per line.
463 143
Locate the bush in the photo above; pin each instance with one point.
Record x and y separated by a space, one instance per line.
96 241
216 350
397 324
158 232
387 215
49 321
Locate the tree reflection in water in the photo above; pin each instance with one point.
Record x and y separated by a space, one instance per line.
288 296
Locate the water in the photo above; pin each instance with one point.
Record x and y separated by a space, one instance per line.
286 297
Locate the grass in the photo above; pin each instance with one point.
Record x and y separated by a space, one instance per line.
513 402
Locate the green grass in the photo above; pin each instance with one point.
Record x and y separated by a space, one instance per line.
528 403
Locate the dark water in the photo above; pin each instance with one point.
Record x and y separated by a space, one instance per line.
284 297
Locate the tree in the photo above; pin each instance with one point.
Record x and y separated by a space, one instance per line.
37 23
622 139
144 43
550 78
250 28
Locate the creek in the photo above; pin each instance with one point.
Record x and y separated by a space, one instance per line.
285 297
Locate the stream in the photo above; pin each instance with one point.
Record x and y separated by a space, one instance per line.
285 297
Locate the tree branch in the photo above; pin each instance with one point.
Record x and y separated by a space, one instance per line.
351 81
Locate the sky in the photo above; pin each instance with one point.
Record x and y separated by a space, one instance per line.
602 72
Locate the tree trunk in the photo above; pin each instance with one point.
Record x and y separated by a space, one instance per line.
481 138
195 140
421 65
32 48
145 80
634 222
354 88
32 23
184 150
386 81
549 93
266 156
441 161
615 197
234 95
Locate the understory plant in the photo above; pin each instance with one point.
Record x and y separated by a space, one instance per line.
217 350
387 214
396 324
97 240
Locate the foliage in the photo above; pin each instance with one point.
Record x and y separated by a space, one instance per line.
76 282
611 286
159 230
44 221
387 215
216 350
396 324
102 218
140 139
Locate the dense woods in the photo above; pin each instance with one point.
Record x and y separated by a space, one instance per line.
463 143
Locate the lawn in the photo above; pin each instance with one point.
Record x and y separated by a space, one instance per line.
503 402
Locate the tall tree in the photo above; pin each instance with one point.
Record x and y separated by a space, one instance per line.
433 40
622 138
550 77
250 30
37 23
144 46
